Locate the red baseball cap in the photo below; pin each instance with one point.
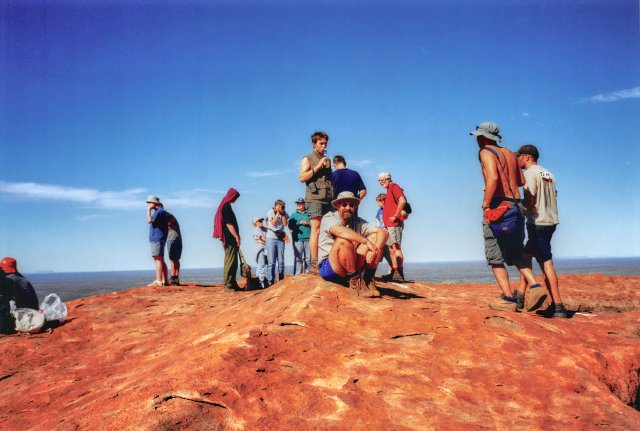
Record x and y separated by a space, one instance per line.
8 264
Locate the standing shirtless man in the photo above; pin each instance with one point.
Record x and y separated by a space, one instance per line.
315 172
502 177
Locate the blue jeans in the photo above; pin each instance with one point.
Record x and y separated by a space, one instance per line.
301 254
261 260
275 252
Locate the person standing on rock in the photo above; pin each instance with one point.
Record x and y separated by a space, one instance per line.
260 237
158 231
542 218
502 177
277 220
174 246
300 228
225 228
349 245
394 203
315 172
345 179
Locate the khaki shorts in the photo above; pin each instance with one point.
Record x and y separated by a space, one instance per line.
317 209
395 235
505 250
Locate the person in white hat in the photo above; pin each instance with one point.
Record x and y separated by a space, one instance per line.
502 177
158 231
349 245
260 237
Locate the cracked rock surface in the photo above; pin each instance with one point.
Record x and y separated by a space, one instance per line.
306 354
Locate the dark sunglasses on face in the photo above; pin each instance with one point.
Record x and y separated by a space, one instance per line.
347 204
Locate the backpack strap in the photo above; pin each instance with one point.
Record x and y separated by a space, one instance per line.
504 171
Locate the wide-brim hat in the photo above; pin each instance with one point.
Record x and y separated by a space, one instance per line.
488 130
343 197
257 219
153 199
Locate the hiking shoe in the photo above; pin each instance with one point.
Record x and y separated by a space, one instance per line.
506 303
519 300
175 281
156 283
559 311
537 296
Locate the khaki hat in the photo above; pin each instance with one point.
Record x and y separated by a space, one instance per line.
153 199
257 219
488 130
345 196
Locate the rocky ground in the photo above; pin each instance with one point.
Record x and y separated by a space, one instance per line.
309 355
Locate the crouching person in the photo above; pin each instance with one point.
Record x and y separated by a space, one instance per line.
349 248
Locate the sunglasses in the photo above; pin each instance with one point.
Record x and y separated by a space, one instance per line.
347 204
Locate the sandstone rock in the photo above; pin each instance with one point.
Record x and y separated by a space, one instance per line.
309 355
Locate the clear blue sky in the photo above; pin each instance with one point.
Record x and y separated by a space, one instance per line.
104 103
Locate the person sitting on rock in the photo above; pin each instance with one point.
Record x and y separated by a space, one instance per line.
24 295
349 245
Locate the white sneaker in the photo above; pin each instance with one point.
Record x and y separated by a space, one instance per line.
156 283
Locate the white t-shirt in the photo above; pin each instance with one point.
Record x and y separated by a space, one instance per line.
541 184
326 240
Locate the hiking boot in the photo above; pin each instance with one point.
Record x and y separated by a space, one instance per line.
537 296
519 300
175 281
156 283
356 283
559 311
388 277
506 303
397 277
370 284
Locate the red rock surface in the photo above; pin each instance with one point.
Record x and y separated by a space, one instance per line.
309 355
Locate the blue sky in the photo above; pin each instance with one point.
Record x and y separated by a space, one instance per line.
104 103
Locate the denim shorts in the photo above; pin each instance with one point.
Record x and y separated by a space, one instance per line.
539 242
157 249
175 248
328 273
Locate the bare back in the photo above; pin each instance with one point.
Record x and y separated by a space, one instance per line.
505 169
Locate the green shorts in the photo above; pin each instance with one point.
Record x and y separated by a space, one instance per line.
317 209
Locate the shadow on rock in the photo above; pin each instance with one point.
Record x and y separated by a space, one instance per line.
386 291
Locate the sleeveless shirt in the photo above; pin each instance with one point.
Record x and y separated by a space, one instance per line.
320 186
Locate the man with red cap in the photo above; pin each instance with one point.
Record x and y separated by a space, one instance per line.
24 295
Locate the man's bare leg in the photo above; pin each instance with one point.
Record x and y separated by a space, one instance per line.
161 269
551 280
502 278
342 257
313 243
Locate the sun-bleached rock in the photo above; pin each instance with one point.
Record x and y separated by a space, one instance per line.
306 354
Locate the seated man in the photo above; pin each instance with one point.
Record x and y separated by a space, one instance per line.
24 295
348 245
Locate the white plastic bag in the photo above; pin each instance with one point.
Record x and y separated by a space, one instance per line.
53 308
28 320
